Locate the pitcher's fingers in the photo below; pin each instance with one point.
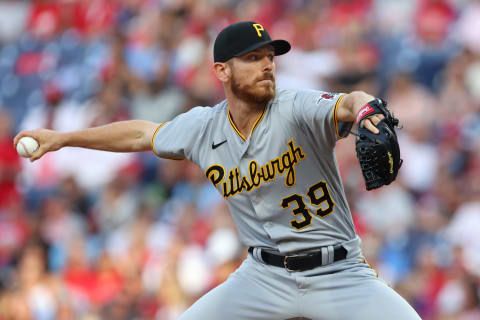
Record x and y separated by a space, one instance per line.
38 154
369 125
20 135
375 119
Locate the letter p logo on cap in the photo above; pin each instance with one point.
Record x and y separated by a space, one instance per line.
258 27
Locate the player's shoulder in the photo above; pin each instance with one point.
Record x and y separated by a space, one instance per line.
202 114
286 96
286 99
283 95
219 109
199 111
312 97
206 118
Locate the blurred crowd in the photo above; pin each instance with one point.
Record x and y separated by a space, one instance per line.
96 235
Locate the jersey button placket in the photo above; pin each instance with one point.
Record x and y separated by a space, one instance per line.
244 148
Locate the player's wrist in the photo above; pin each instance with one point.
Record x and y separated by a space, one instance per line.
63 139
355 101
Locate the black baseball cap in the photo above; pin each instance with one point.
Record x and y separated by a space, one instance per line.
242 37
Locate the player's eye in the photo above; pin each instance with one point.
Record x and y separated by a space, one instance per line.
257 57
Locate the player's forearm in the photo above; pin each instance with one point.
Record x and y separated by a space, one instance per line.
122 136
350 105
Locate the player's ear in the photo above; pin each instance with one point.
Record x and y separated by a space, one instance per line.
222 71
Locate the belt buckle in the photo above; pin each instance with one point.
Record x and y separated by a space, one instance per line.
285 264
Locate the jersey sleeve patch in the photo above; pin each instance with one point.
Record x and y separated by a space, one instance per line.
326 96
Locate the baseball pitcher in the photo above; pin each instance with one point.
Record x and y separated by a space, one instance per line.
270 153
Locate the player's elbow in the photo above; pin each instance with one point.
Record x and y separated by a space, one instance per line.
143 140
141 134
148 133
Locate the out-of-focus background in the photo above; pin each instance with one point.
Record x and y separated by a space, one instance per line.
96 235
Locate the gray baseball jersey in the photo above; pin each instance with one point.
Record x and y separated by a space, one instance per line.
284 191
281 183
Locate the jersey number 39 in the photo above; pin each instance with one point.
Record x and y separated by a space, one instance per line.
318 195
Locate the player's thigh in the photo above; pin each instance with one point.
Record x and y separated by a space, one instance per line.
356 294
248 294
376 300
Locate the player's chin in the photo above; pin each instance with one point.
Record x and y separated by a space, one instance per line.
264 93
258 94
265 97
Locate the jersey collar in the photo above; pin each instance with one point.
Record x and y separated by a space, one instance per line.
257 122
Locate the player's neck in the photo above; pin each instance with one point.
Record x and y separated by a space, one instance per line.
244 115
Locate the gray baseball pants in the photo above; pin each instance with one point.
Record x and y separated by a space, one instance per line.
344 290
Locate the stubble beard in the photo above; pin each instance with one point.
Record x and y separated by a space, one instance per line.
252 93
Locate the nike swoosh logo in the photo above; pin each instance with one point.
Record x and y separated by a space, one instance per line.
215 146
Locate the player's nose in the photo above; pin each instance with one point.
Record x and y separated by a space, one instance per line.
267 63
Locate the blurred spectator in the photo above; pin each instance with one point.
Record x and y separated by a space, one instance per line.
9 163
15 228
157 99
462 232
466 25
36 295
13 17
117 204
95 235
45 19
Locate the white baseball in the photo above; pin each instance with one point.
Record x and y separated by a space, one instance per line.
26 146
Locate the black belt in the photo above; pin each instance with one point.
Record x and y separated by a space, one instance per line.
300 262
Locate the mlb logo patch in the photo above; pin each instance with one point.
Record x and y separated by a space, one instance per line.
328 96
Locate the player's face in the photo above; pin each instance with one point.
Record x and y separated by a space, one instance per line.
253 75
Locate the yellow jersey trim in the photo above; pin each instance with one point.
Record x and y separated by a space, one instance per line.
258 120
153 148
254 125
366 262
234 126
335 115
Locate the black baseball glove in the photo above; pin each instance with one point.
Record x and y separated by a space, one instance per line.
378 154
